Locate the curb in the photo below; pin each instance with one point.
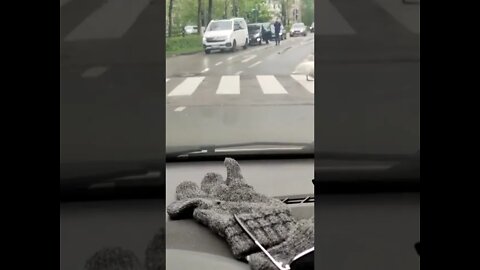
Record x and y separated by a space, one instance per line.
186 53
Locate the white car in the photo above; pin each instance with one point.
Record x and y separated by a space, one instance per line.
191 29
225 35
298 29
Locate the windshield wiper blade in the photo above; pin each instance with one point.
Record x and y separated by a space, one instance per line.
251 147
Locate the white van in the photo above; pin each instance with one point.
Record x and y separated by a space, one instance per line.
225 35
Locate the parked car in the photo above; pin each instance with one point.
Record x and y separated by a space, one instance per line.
298 29
256 33
225 35
312 27
190 29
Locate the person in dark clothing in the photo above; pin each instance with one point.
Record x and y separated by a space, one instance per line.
266 34
278 26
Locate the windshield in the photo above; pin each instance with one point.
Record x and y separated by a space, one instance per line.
299 25
237 89
238 93
220 25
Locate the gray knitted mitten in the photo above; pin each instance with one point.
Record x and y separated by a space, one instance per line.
299 240
216 201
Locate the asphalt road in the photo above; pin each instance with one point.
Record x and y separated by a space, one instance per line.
244 96
112 87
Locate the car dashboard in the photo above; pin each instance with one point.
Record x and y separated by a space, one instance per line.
353 231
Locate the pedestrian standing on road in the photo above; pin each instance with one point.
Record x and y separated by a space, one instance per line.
278 26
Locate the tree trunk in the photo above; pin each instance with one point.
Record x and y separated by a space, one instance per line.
234 9
284 11
209 18
225 9
199 17
170 7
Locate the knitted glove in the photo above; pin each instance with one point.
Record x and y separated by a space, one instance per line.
301 239
216 201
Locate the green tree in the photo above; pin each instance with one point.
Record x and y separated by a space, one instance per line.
257 10
308 10
186 13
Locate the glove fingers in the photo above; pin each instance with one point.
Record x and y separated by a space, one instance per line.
234 175
211 182
187 190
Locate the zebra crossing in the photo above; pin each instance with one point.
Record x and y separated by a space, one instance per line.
232 85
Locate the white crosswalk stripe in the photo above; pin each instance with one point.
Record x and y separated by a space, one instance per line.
254 64
248 58
111 20
270 85
229 85
236 85
302 79
187 87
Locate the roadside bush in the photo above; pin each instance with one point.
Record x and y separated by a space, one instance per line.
189 43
